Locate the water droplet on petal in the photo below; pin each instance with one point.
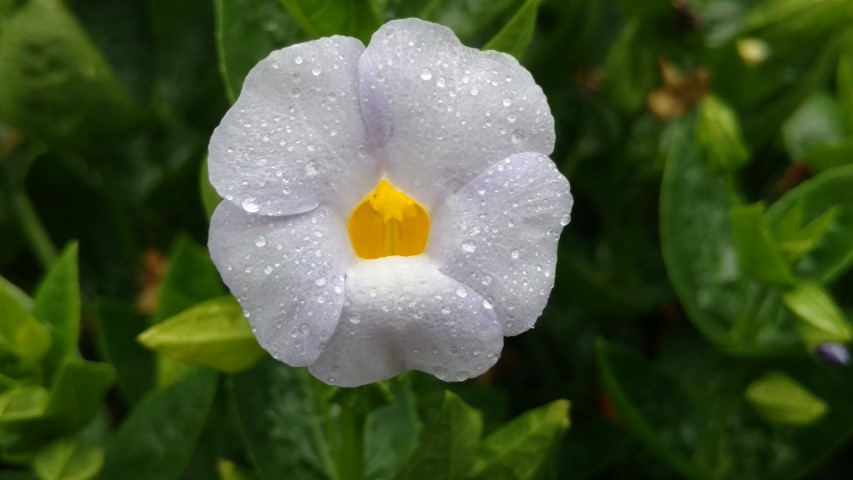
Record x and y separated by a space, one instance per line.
468 247
298 60
515 254
461 291
426 74
250 205
260 241
507 102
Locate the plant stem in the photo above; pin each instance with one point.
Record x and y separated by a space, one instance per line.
39 241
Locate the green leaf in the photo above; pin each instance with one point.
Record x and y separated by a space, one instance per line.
796 240
118 325
816 123
833 253
190 278
821 320
158 438
22 404
20 297
448 445
781 399
844 82
20 333
77 394
57 306
56 84
322 18
68 459
246 32
825 156
391 432
719 135
729 308
209 197
228 470
629 71
470 18
516 35
695 416
520 449
280 411
211 334
757 253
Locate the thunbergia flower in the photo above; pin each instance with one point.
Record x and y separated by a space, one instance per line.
389 207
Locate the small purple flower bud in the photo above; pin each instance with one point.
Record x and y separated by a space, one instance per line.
832 354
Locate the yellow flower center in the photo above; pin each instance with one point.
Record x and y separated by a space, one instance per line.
388 222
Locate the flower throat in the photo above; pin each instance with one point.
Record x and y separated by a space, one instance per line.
388 222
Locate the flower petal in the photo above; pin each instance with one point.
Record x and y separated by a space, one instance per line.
403 314
295 137
287 273
442 112
499 233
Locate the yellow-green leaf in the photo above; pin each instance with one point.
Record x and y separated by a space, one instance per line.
781 399
211 334
820 319
68 459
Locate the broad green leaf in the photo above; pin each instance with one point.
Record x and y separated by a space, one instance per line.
825 156
322 18
56 84
20 297
118 325
68 459
78 393
209 198
821 320
516 35
280 411
520 450
57 306
190 278
832 189
246 32
391 432
20 333
780 399
736 313
758 255
719 135
158 438
22 404
448 445
211 334
696 418
817 122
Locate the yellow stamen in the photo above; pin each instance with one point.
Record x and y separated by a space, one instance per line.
388 222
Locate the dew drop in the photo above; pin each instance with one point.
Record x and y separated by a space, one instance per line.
475 91
468 247
311 169
426 74
461 291
316 71
250 205
320 281
507 102
298 60
517 136
268 269
260 241
487 306
515 253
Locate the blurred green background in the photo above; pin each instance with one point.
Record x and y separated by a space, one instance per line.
709 144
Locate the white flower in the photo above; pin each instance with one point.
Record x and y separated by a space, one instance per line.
388 208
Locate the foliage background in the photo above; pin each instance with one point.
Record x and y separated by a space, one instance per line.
709 144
